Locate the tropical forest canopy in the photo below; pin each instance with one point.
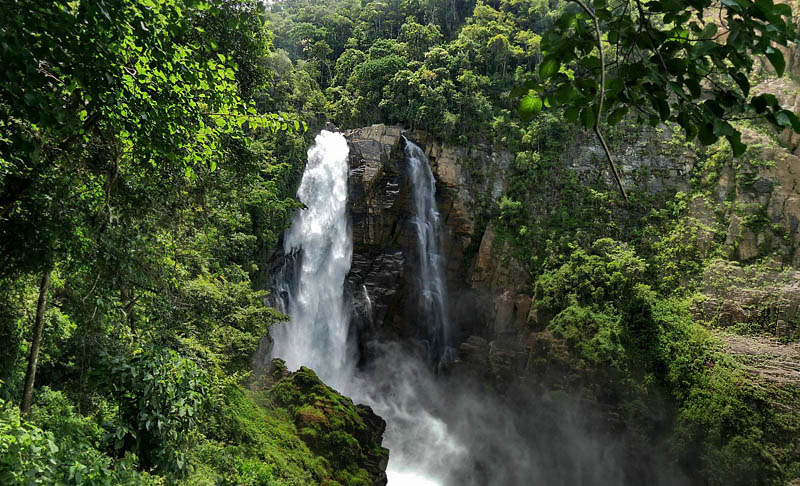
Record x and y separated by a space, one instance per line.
149 156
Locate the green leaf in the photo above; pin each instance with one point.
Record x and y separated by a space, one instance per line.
549 67
733 4
617 115
565 93
776 59
783 119
518 91
565 20
759 103
588 117
694 87
723 128
783 10
742 81
661 105
706 134
786 118
530 106
709 31
737 146
571 114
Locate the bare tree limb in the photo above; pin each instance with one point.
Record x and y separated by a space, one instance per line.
601 99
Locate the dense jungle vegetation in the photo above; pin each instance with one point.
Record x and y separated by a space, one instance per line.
149 156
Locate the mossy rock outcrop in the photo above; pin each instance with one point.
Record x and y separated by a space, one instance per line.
347 435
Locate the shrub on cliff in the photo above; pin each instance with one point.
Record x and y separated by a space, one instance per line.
348 436
643 347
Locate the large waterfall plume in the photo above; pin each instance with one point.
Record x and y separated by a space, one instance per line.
319 244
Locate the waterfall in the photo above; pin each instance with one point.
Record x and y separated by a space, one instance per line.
431 278
320 245
439 432
367 305
318 253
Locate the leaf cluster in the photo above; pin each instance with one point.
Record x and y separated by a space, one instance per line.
689 62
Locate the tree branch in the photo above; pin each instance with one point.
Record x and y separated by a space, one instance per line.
601 98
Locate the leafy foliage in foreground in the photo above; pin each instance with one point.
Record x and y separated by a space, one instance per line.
143 169
60 447
686 62
241 438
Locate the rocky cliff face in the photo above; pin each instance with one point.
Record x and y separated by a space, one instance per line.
381 279
752 211
746 209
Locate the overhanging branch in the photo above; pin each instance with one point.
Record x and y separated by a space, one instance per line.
601 99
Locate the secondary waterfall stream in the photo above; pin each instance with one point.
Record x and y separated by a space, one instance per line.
318 249
430 277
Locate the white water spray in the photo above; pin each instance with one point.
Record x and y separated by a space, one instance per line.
317 335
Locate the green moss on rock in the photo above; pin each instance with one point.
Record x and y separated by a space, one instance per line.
348 436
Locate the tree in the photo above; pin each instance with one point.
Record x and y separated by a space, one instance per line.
30 374
500 49
419 38
108 106
346 64
687 62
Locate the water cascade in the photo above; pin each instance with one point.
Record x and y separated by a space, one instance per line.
320 245
367 305
430 277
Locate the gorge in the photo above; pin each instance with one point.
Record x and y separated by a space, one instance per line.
399 242
444 427
317 250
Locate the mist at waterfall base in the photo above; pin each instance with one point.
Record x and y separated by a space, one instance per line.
441 430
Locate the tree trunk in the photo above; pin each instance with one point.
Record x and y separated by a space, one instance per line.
38 326
129 309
